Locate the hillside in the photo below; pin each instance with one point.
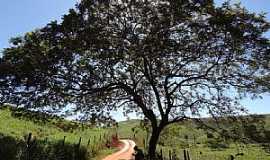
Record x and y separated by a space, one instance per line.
204 144
48 134
56 138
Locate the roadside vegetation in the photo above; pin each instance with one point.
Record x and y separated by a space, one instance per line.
51 137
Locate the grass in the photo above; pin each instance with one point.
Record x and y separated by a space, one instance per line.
187 136
18 128
174 138
127 129
201 152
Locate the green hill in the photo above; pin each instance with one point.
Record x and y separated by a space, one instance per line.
50 135
205 144
48 132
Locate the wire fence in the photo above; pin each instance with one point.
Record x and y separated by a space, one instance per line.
32 148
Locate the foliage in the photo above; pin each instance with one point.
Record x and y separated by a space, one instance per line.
216 143
168 60
242 129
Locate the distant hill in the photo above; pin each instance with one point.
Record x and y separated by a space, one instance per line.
253 139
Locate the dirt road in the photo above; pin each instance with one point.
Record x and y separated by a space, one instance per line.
125 153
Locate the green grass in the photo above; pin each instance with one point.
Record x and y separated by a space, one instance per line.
178 137
127 129
18 127
200 152
174 138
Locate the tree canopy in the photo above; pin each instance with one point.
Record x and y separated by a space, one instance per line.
169 60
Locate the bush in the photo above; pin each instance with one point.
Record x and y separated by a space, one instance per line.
8 148
217 144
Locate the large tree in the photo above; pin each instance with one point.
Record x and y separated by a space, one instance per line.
169 60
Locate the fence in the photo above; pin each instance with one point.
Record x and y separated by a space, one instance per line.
45 149
193 154
172 155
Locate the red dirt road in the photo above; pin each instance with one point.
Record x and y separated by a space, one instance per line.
125 153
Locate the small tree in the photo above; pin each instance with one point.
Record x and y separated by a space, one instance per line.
168 60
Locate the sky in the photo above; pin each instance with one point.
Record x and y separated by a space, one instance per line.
20 16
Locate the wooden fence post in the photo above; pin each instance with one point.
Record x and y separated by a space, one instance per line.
64 139
80 140
174 155
185 155
78 148
29 138
188 157
46 140
28 146
161 154
144 143
88 142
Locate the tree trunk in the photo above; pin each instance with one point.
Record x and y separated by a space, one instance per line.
153 143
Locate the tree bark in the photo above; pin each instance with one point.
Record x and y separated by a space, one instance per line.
153 142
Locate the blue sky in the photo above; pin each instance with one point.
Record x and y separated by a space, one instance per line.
20 16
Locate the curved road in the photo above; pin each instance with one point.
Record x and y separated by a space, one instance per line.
125 153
